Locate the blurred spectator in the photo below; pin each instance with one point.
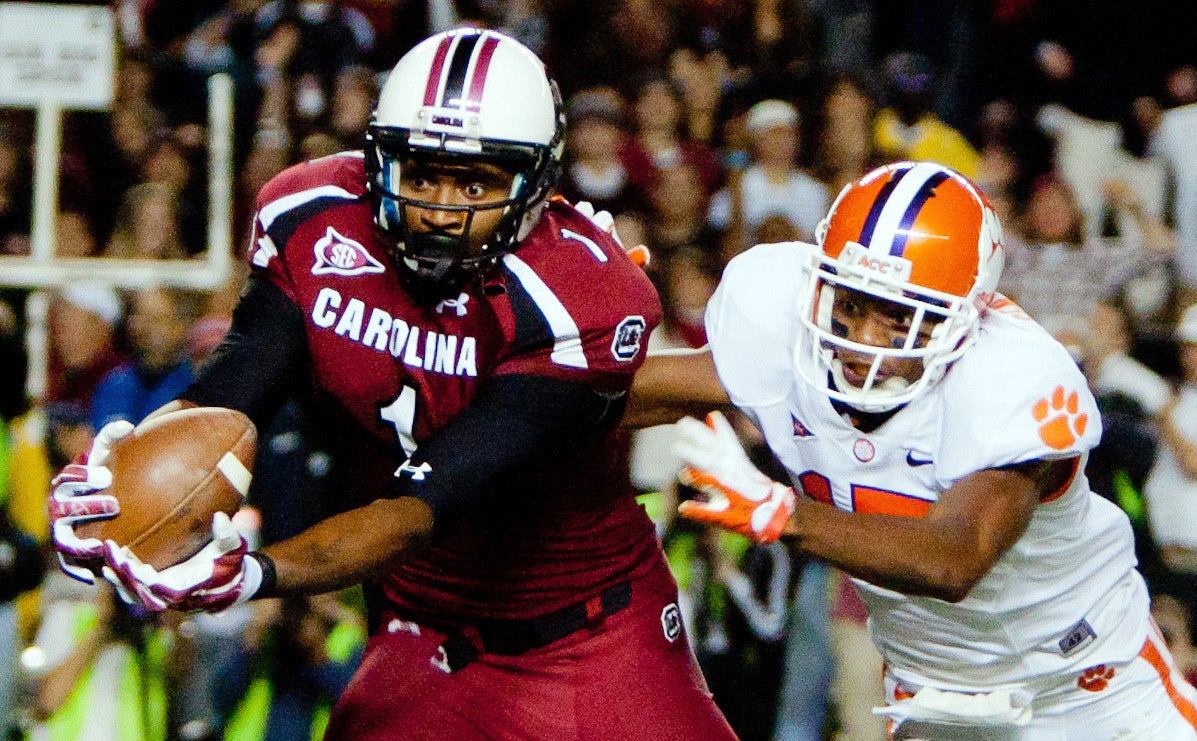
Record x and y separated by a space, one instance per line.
747 603
525 20
1176 625
845 145
1109 367
332 35
1095 56
74 236
908 128
661 139
354 92
159 327
83 319
147 225
132 130
15 195
857 687
700 77
294 658
1055 270
1089 155
1171 490
772 185
1173 142
21 567
173 162
594 170
96 667
1128 395
678 219
609 42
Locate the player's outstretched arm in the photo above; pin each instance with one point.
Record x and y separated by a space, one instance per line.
673 384
942 555
335 553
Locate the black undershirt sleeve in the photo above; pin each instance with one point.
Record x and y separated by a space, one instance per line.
262 359
512 422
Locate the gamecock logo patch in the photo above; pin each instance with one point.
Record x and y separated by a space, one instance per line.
671 622
339 255
628 334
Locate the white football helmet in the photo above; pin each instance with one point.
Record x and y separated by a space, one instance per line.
460 95
925 241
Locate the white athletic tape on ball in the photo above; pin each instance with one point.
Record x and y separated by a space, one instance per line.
236 472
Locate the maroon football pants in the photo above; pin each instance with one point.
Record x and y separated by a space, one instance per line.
631 677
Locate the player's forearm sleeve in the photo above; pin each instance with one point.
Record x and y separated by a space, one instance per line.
515 420
261 360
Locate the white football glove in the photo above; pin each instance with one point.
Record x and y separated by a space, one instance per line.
76 498
739 497
221 575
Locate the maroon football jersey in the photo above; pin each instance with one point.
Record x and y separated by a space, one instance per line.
388 372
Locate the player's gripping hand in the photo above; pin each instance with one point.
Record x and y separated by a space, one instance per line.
739 497
221 575
76 497
605 221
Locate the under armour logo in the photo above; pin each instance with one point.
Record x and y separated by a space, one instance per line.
417 472
459 304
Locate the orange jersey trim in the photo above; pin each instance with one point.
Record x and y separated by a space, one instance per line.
1151 654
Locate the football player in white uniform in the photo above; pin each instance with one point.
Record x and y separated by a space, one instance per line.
948 432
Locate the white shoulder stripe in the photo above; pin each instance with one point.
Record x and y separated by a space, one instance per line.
271 211
567 342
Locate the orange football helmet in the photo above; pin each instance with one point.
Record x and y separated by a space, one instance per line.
915 234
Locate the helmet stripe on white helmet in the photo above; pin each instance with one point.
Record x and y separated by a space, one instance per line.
464 95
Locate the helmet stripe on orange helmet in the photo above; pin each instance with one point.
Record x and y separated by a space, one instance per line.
912 211
437 71
870 224
901 208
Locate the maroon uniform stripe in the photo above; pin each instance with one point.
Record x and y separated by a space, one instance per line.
438 66
473 100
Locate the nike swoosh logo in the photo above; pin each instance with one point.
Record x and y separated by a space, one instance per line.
912 461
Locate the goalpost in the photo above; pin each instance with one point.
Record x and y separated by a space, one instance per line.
54 57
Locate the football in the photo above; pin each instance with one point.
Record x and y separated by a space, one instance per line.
170 475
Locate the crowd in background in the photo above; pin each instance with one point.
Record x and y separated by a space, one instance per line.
704 127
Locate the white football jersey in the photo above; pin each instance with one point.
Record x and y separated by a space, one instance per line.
1065 597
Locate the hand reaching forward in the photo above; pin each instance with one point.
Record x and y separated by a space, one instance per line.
739 497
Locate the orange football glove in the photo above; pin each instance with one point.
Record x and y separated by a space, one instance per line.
739 497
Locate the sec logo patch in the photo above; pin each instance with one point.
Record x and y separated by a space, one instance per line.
339 255
628 334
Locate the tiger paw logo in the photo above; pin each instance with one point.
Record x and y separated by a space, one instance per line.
1095 678
1059 418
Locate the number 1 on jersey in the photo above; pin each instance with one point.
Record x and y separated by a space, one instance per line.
401 413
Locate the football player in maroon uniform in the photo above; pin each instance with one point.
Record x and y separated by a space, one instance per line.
469 342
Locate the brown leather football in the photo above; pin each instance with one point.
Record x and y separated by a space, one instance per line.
170 475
